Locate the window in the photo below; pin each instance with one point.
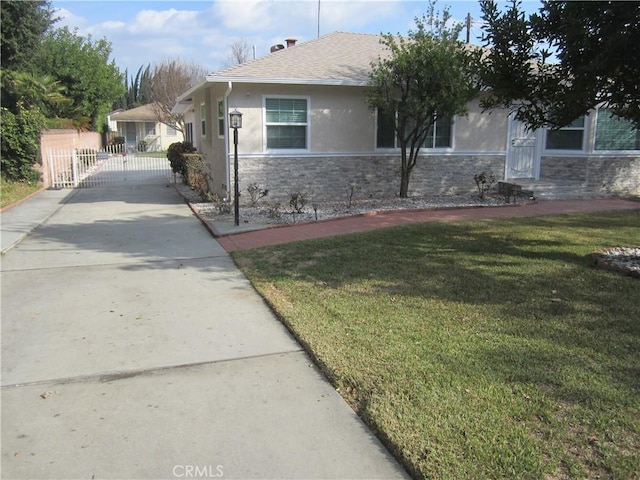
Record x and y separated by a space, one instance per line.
570 137
171 130
439 135
188 132
615 133
149 129
203 120
221 118
286 123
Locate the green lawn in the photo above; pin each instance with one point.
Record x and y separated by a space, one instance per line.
12 192
475 350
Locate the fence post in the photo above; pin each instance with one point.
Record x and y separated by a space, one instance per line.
52 178
74 168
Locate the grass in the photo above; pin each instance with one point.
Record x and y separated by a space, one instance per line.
475 350
12 192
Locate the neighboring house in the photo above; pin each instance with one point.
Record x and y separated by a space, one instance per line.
307 127
141 130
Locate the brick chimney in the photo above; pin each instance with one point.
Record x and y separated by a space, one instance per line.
291 42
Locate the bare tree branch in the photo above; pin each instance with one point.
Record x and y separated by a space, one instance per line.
239 54
169 79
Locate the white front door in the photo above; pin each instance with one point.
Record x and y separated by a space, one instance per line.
523 151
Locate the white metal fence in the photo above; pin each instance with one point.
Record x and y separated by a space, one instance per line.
82 168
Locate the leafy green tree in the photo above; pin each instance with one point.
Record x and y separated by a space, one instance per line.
137 89
23 26
82 65
597 60
20 142
43 92
428 75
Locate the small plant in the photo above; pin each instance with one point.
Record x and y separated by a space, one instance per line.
142 146
484 182
298 200
352 188
223 205
273 211
256 193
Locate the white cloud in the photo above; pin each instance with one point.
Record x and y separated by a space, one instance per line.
164 22
67 19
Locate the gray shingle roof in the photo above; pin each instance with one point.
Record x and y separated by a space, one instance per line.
143 113
338 58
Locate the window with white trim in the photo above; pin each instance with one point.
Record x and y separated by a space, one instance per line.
570 137
171 130
440 134
221 118
203 120
615 133
286 122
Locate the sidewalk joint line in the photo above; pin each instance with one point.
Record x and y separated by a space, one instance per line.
124 374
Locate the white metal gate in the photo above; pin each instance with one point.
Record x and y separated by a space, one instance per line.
523 151
82 168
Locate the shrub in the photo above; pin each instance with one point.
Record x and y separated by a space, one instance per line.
484 183
196 174
20 139
142 146
256 193
175 154
298 200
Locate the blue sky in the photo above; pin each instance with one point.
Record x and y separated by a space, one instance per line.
147 32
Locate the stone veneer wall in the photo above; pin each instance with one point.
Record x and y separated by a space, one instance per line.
607 174
327 178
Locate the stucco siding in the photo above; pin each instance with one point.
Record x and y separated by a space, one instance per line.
481 132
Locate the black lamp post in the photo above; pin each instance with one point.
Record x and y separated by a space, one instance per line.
235 122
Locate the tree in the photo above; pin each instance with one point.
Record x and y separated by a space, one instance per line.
239 54
137 89
20 142
82 65
168 80
427 76
23 27
43 92
597 50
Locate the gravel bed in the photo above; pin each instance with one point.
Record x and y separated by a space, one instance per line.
625 260
274 213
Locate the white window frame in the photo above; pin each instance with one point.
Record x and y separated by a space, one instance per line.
203 119
422 148
307 125
220 117
585 138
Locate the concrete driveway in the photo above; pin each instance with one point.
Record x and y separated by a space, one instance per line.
132 347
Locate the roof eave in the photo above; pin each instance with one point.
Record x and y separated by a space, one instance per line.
291 81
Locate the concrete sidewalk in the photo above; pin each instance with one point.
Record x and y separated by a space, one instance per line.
18 221
132 347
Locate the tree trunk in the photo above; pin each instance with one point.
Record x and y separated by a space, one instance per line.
404 183
405 172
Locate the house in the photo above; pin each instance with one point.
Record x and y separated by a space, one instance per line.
141 129
307 127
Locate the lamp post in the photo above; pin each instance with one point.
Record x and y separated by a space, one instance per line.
235 121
